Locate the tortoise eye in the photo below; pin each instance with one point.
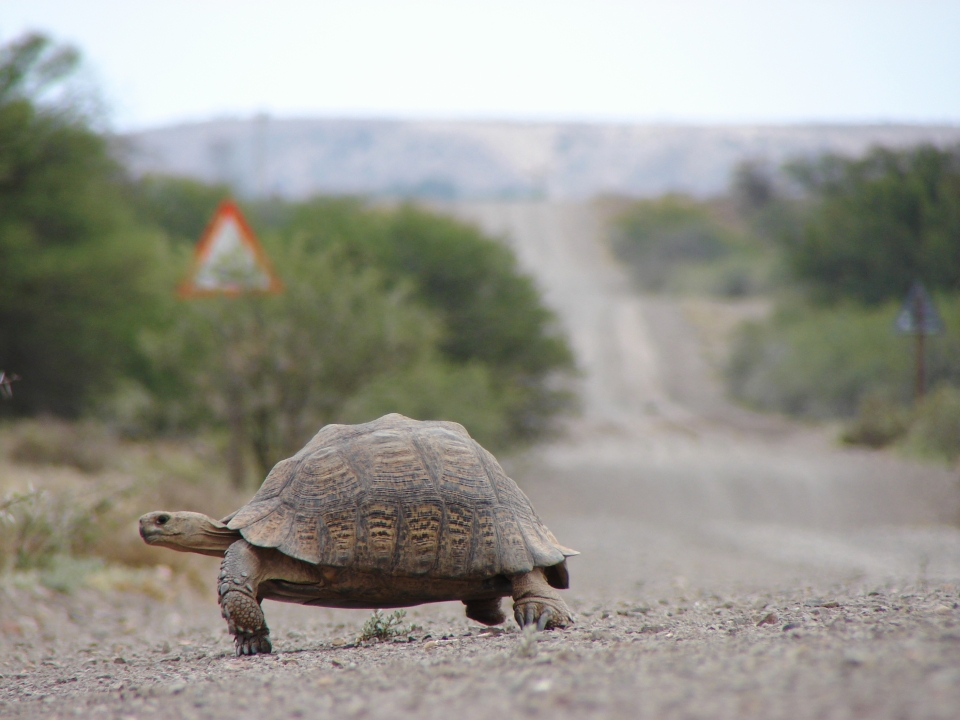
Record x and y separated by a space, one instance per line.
163 519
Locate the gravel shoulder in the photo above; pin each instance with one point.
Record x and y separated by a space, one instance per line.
732 566
839 652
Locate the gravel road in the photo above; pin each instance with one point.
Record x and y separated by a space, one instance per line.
733 565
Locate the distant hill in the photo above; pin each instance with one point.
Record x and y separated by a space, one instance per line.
446 160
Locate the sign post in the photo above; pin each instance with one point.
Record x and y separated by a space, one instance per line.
229 261
919 317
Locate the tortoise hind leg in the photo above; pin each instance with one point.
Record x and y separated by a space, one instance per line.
485 612
239 579
536 603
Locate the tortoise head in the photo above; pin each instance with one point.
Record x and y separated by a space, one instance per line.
187 532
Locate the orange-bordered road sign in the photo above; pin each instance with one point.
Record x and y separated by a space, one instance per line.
229 259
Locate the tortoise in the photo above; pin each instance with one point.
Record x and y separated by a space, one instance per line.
390 513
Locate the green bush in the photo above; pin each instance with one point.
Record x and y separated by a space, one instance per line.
679 243
490 313
436 390
823 362
878 223
384 309
935 429
275 369
77 274
182 207
879 423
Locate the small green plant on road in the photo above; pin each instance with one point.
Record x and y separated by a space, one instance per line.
382 627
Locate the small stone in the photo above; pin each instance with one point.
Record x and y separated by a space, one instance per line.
770 618
854 659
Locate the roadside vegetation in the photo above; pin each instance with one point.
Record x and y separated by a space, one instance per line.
130 398
835 243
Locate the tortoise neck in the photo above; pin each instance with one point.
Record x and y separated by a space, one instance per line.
212 538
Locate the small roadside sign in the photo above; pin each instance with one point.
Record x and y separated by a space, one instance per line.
919 315
229 259
6 384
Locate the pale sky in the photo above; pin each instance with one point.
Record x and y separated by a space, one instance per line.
692 61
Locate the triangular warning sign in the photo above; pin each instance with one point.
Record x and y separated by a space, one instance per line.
919 315
229 260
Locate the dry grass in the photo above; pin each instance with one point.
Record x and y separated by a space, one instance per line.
71 494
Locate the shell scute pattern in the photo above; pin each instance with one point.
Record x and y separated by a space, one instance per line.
340 544
398 496
485 558
514 557
270 530
463 477
420 537
324 478
397 469
377 539
305 541
455 543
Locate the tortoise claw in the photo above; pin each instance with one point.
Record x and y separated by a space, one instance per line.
253 644
544 619
535 614
541 614
529 614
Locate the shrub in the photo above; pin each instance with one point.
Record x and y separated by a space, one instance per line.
381 627
490 313
77 274
677 243
935 429
37 527
276 369
878 223
823 362
879 423
82 446
436 390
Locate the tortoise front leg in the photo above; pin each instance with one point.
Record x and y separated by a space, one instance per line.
536 603
239 579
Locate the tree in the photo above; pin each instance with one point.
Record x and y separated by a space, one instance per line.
655 237
182 207
879 223
275 369
76 272
491 313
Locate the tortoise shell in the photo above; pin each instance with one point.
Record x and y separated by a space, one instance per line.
401 497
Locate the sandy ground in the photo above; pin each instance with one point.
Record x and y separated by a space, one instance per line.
733 565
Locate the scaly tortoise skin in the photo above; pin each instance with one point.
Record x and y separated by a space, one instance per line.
390 513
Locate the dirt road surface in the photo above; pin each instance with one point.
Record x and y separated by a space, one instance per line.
733 565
